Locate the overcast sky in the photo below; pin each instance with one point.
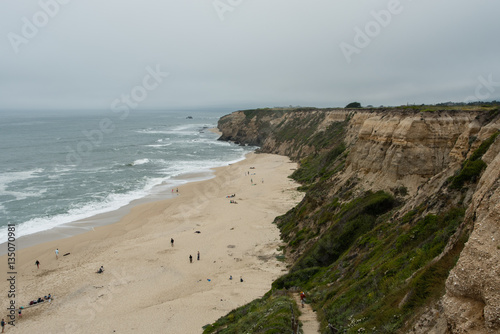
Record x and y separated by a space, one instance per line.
102 54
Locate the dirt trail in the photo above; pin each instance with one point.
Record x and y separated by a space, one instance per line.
310 324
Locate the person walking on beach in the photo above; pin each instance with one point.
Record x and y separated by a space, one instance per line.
172 242
57 253
37 264
2 323
190 259
198 257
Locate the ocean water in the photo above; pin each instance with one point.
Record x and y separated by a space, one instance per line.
61 167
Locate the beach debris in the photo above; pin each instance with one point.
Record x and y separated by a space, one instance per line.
66 254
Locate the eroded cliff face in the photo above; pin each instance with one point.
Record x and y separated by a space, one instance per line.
472 300
418 151
390 150
277 131
387 149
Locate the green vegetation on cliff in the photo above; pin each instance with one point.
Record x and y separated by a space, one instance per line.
472 167
367 266
387 273
270 314
367 271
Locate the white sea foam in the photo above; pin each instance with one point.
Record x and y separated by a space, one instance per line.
188 166
10 177
107 171
160 145
140 162
110 203
190 127
182 130
210 141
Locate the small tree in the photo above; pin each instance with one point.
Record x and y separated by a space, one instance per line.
353 105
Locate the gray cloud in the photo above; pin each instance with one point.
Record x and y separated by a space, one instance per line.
264 52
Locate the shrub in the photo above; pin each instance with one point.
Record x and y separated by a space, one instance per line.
483 148
470 172
297 278
353 105
354 219
270 314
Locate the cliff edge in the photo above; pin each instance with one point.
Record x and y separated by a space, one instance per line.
399 227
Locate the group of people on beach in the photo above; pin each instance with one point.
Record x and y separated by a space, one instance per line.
251 180
231 278
41 300
37 263
232 201
197 257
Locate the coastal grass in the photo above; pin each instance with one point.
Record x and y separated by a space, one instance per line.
366 271
386 274
270 314
323 164
353 220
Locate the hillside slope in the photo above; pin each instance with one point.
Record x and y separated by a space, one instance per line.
381 239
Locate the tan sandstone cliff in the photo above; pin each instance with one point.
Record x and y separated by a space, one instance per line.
472 300
420 151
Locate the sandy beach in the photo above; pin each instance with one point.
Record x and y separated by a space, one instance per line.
150 286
